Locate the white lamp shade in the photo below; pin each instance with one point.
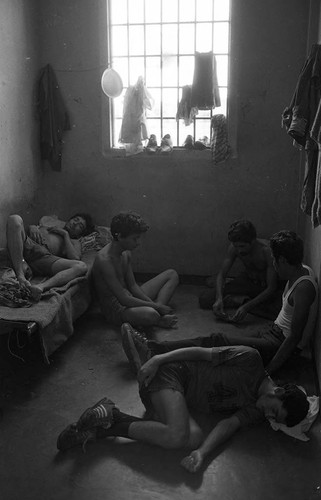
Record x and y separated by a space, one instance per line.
111 83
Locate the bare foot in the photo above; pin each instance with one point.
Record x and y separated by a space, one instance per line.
34 290
168 321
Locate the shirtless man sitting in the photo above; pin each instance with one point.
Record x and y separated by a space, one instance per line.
46 251
121 298
258 281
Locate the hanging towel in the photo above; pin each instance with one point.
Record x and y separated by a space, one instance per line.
205 91
54 118
219 144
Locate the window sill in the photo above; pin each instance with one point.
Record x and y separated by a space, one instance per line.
177 151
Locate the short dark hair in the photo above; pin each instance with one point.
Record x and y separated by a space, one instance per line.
288 245
296 404
126 223
90 226
241 231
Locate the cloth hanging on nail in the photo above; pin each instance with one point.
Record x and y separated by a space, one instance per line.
54 119
205 91
220 147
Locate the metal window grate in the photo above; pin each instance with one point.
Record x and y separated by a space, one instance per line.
157 39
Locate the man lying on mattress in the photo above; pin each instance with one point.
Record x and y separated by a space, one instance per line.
46 251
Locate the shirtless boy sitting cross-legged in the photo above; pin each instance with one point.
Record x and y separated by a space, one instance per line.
121 298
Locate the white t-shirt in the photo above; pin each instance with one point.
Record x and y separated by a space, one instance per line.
284 318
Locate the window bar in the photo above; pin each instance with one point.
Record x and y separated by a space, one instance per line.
110 104
195 33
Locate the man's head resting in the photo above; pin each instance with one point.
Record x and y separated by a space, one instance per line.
286 404
126 223
79 225
241 231
289 245
296 404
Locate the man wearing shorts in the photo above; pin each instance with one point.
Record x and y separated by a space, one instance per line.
291 331
46 251
121 298
229 380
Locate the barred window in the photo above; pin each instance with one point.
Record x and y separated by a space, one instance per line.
158 40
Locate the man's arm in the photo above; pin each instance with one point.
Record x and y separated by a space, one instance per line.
149 369
271 286
240 355
133 287
302 298
221 433
69 251
110 277
221 277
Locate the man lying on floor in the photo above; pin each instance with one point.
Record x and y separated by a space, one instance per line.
231 380
46 251
121 298
293 327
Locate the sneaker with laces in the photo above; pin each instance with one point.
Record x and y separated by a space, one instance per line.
98 415
135 346
72 436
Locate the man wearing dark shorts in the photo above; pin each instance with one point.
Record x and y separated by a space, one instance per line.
46 251
229 380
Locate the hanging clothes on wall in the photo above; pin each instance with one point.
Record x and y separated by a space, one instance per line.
134 124
220 147
185 109
205 91
299 118
54 119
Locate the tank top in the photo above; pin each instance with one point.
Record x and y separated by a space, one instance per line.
284 318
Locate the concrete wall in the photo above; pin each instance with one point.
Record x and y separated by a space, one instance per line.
188 202
20 165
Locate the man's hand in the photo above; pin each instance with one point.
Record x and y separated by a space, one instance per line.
218 308
193 462
162 309
148 371
35 235
58 230
240 314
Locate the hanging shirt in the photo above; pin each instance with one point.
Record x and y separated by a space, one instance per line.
54 118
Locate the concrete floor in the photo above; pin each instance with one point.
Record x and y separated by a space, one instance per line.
39 401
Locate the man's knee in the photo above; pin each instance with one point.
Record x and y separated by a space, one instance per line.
172 275
149 316
176 438
14 222
79 267
207 299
